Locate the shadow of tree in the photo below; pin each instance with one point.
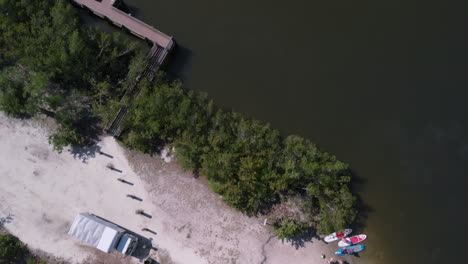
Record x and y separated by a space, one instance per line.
180 65
364 211
128 8
357 186
5 220
299 241
88 129
84 153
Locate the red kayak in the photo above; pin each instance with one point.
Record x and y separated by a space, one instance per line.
337 235
348 241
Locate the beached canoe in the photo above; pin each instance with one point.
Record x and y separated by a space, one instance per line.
337 235
351 240
350 250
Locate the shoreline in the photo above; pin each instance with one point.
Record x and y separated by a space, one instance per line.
193 224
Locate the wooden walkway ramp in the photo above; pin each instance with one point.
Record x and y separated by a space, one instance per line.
157 55
162 45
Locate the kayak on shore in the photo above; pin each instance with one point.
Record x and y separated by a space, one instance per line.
351 240
350 250
337 235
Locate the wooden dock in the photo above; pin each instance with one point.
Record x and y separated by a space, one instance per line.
161 46
106 10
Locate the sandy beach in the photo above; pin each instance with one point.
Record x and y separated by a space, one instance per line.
42 191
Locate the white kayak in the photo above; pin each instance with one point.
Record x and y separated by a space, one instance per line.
337 235
351 240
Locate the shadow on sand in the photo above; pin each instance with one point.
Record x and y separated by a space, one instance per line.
149 230
131 184
105 154
5 220
300 240
146 215
116 170
84 153
133 197
151 261
88 130
144 247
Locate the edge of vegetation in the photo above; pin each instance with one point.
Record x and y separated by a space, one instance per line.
13 251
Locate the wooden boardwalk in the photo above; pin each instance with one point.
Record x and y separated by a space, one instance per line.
162 44
133 89
105 9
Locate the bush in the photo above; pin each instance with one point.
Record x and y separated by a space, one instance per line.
17 98
35 261
11 249
286 228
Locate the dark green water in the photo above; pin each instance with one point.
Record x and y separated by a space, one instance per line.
381 84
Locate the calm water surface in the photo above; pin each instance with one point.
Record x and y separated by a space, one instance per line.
381 84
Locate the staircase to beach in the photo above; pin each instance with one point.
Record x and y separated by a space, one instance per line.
156 58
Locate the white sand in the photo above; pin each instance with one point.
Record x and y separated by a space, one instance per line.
44 190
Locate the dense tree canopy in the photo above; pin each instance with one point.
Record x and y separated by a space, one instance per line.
51 64
245 161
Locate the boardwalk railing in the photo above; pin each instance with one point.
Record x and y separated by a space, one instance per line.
157 57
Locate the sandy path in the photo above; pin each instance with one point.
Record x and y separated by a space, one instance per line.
44 190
